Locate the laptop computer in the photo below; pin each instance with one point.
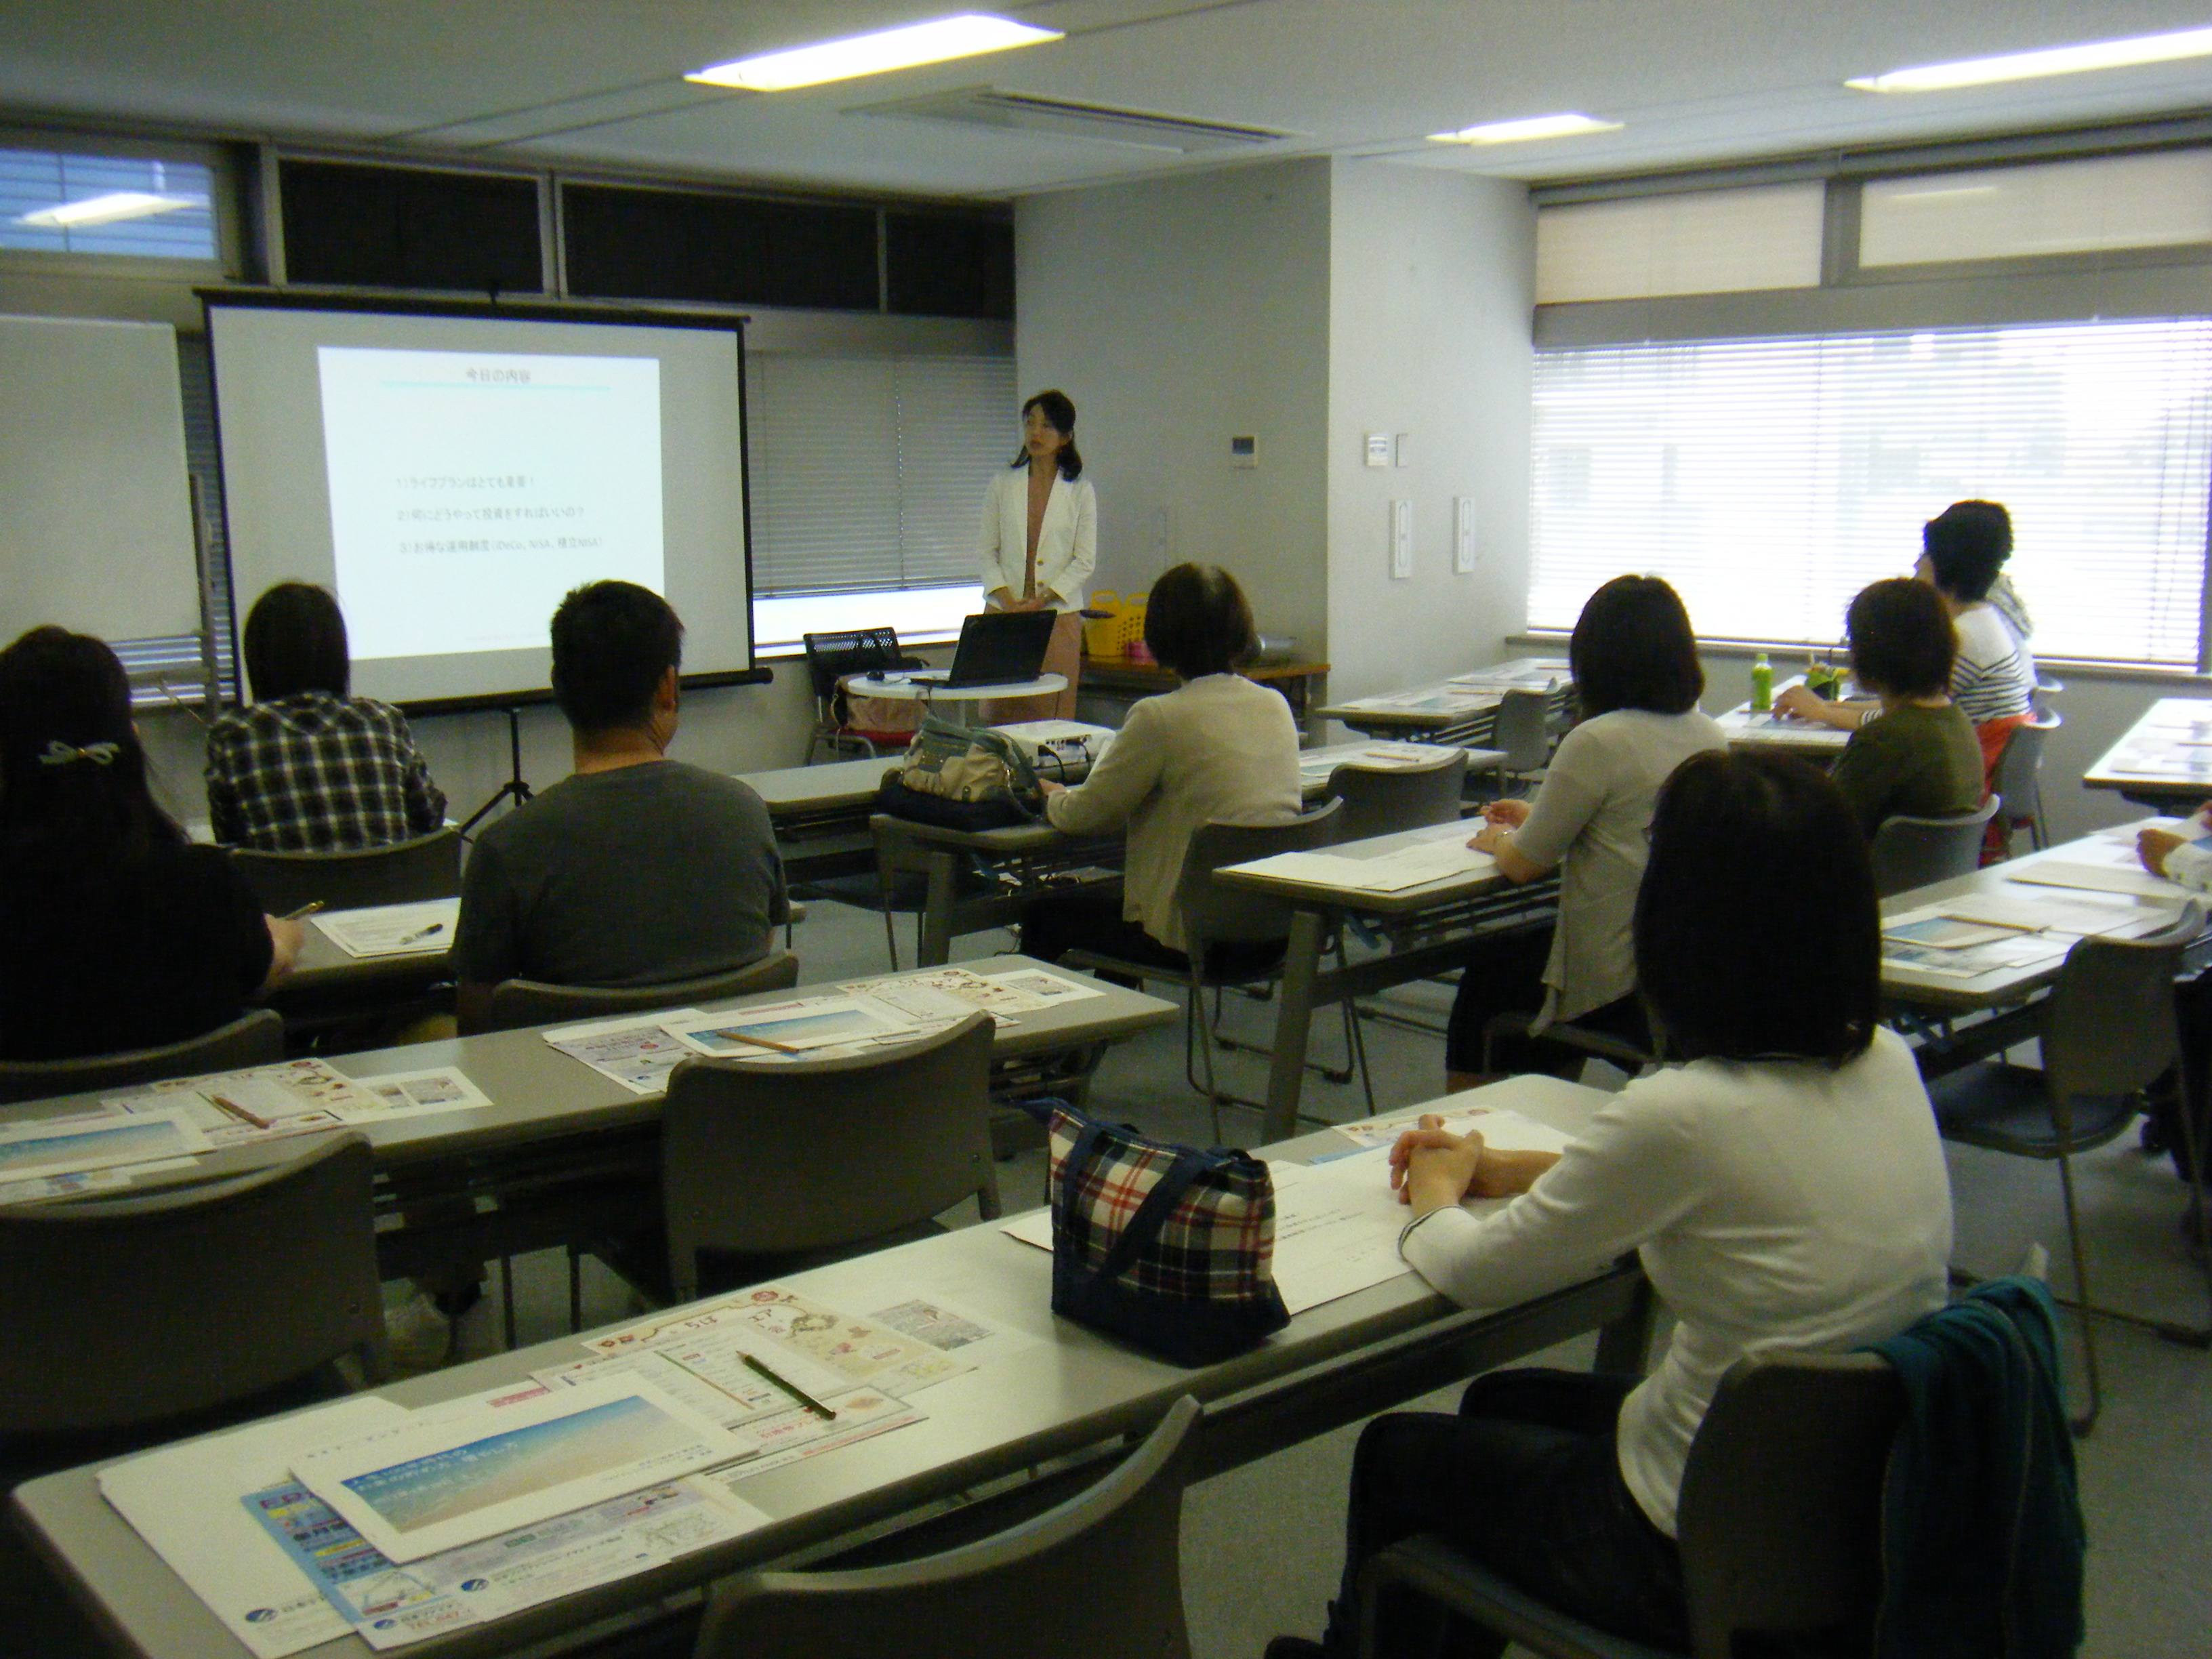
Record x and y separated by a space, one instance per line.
997 648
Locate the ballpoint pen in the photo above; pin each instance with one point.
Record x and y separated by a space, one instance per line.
790 1388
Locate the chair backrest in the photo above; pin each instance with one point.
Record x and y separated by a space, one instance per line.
406 872
1214 914
519 1002
126 1311
1378 801
773 1158
1522 731
254 1038
2019 767
1780 1513
830 657
1911 852
2108 1026
1099 1575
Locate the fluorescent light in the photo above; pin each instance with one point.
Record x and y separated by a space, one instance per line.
1534 126
108 209
2051 60
965 36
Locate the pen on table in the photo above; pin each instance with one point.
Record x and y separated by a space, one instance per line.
790 1388
761 1041
423 933
238 1112
304 911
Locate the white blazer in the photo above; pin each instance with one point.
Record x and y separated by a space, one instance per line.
1068 540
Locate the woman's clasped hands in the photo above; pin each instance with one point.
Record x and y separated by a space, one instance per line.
1499 819
1431 1168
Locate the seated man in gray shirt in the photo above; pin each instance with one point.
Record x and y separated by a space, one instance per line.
636 869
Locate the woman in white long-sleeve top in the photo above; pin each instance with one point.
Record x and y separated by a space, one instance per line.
1039 546
1784 1188
1218 748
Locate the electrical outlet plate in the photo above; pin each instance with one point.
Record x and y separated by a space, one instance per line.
1401 540
1378 449
1463 535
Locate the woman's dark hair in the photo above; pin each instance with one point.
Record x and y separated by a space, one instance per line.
1966 545
73 791
1058 412
1197 621
1757 863
1902 643
611 643
295 642
1632 648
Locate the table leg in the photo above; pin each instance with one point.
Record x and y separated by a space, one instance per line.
1293 1019
943 870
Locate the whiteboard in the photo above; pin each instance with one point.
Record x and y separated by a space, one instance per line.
95 516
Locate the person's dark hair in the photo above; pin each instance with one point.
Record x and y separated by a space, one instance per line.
1058 412
73 790
1757 862
1197 621
611 643
1632 648
1902 643
295 642
1966 545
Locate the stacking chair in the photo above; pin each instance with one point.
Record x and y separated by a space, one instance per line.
1215 914
1377 802
2107 1032
427 868
1100 1574
1779 1525
1523 733
519 1002
2019 783
829 659
130 1312
255 1038
781 1165
1911 852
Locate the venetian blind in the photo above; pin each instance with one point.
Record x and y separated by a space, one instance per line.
1769 480
868 472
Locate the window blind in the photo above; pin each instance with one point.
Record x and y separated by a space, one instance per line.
1769 480
170 669
1697 242
160 209
868 472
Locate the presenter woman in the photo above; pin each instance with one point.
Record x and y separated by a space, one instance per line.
1039 545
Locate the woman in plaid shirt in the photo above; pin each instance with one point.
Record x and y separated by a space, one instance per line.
308 769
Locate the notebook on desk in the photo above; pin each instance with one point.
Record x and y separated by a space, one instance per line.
997 648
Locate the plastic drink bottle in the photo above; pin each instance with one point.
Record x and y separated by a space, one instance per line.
1762 684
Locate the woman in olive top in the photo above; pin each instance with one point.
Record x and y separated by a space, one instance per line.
1918 756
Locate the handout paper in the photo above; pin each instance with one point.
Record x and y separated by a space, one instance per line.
2093 878
937 996
292 1097
1942 933
185 1501
95 1141
440 1089
953 1329
815 1022
1498 1126
631 1050
1392 872
440 1480
390 1604
82 1180
393 929
791 1334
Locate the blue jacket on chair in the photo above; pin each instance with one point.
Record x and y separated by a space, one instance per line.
1982 1532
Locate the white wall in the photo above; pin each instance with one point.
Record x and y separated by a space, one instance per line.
1431 291
1176 312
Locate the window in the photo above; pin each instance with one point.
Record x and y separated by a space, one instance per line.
1711 241
2113 201
868 476
55 202
1769 479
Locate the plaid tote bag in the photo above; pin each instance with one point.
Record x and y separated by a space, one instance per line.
1168 1248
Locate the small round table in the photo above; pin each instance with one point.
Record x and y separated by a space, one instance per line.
913 686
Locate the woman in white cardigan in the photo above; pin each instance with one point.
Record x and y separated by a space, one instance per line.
1039 546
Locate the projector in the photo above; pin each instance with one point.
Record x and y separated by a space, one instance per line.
1063 751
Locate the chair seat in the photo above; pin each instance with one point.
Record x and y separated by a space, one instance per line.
1500 1606
2004 1107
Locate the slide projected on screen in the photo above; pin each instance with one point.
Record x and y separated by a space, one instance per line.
451 470
496 483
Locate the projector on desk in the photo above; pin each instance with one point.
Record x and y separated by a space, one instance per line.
1063 751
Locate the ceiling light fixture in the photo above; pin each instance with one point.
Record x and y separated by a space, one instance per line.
969 35
108 209
1534 126
2051 60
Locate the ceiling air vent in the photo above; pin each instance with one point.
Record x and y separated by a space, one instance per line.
1018 112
